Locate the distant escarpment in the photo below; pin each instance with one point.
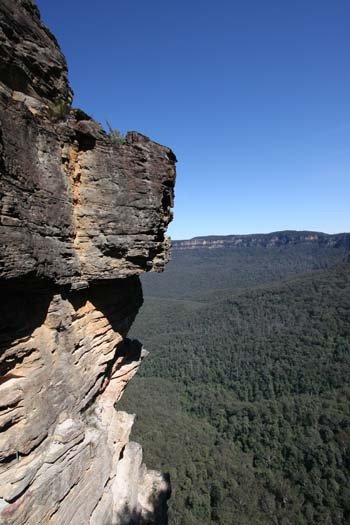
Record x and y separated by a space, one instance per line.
265 240
82 215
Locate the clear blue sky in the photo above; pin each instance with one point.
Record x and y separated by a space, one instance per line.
252 96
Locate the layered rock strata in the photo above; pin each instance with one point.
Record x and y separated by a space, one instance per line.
82 215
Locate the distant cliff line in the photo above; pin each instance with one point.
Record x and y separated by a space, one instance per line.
265 240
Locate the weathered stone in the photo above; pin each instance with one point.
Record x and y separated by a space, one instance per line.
81 216
77 207
31 61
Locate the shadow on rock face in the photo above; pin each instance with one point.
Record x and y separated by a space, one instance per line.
118 300
159 515
23 308
25 302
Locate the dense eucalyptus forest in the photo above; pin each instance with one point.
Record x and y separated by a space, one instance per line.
244 399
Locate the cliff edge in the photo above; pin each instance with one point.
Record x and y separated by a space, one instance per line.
82 215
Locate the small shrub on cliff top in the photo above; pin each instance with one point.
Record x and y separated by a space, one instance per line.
114 134
58 110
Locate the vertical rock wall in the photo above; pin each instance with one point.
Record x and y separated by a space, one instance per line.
82 214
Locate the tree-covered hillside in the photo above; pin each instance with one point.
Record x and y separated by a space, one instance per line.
245 397
196 272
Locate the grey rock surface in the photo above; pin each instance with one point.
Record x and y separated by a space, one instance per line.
30 59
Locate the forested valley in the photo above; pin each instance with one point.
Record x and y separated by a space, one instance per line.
244 399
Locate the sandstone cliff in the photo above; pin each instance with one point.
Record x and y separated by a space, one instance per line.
82 215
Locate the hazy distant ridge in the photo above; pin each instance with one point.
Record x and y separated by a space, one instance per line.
264 240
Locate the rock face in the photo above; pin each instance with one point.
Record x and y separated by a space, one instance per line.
30 59
82 215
